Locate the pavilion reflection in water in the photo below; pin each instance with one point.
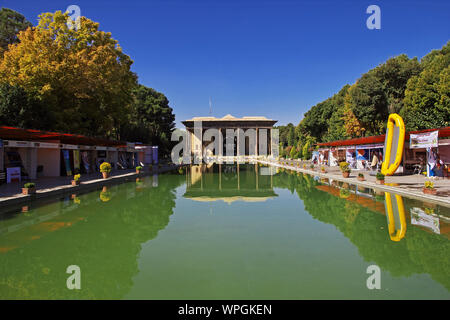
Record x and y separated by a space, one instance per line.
229 183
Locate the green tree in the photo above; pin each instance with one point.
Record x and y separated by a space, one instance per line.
151 119
291 135
18 109
11 23
293 153
426 103
81 75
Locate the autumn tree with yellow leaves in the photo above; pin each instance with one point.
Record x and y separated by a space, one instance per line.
80 76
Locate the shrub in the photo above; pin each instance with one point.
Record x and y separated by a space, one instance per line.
29 185
429 185
380 176
344 166
77 177
105 167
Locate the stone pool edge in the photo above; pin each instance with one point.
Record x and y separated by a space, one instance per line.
84 186
415 195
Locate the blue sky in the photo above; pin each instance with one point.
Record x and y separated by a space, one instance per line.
256 58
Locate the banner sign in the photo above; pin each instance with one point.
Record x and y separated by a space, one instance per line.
13 174
371 146
362 154
66 157
76 160
424 140
85 159
46 145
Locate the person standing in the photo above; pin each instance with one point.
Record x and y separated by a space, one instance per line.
375 160
432 161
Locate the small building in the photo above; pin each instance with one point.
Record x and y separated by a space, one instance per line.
30 154
359 151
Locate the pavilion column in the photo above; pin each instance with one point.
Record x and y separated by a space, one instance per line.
198 137
256 141
269 147
31 164
220 151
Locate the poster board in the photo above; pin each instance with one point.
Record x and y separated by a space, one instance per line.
424 140
13 174
67 165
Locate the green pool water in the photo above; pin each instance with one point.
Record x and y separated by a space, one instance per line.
224 232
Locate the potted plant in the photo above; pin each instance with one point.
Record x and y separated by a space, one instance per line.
380 178
323 169
429 188
105 169
304 166
345 169
429 211
312 167
361 177
76 180
29 188
138 169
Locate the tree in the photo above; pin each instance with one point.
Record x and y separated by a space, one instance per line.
291 135
306 154
11 23
352 125
426 103
81 76
151 119
378 93
18 109
293 152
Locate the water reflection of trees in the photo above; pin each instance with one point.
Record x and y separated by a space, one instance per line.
366 227
103 238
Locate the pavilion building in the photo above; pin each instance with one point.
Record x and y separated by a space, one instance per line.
251 136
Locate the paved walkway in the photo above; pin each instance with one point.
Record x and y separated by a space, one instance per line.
14 188
11 193
408 185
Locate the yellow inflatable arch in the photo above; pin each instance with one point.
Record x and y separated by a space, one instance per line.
393 144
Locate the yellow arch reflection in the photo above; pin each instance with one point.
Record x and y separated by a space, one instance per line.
395 213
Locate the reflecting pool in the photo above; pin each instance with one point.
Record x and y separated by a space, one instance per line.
227 232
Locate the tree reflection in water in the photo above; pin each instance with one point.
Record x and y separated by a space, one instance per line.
105 238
